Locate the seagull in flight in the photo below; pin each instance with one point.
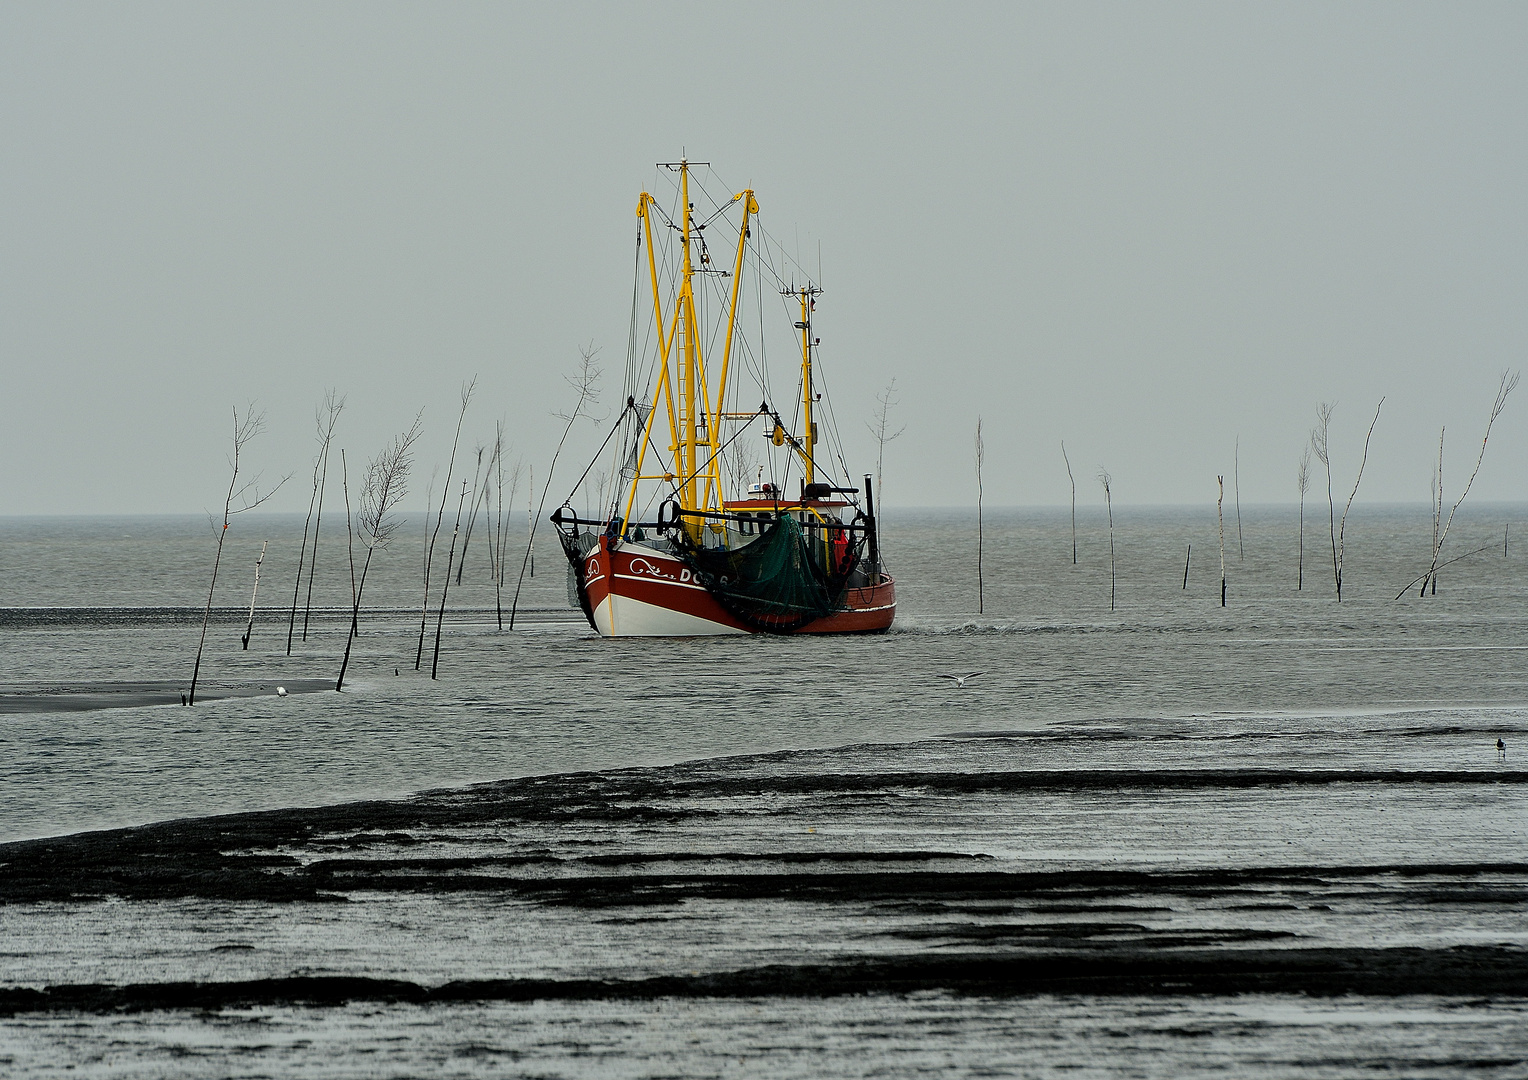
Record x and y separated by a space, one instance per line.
961 679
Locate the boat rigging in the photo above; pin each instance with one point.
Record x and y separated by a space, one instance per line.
727 550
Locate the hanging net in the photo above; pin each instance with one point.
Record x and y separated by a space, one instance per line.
577 545
779 582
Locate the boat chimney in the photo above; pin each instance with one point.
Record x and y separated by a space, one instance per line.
870 533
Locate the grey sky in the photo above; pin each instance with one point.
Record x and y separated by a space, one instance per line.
1142 229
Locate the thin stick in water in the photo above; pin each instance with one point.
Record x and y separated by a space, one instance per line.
1451 562
445 587
349 550
250 629
445 491
384 488
1073 482
248 497
1508 383
1108 481
981 454
480 492
1220 516
1303 479
325 417
585 382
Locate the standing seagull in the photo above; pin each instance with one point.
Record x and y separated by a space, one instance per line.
960 680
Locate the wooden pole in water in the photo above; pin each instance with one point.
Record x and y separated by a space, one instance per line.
1073 482
1220 514
1303 479
1186 555
331 409
250 629
440 616
349 546
244 429
1108 481
981 454
445 491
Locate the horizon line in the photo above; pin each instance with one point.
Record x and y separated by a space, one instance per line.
961 507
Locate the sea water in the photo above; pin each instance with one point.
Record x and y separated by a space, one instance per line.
97 603
1115 661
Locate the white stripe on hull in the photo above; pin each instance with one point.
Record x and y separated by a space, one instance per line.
621 616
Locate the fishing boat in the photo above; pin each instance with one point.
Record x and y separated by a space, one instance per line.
742 520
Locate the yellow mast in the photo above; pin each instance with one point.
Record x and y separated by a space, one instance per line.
750 207
809 437
664 341
665 389
685 441
694 424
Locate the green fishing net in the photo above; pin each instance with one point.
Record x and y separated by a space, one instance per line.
778 582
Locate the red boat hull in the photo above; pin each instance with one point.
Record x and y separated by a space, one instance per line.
637 591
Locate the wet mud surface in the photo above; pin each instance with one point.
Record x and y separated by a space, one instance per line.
87 697
1175 840
773 876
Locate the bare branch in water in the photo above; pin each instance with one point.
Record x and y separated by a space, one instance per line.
325 417
585 382
247 497
383 490
429 554
879 426
1343 524
1320 445
1508 383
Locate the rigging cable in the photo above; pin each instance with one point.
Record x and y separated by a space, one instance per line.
719 449
613 429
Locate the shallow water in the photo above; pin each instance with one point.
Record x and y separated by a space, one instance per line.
1183 703
101 601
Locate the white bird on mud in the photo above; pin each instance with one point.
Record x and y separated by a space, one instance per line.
960 680
281 691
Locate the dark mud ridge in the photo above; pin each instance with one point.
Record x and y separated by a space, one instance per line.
693 859
1378 972
546 829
